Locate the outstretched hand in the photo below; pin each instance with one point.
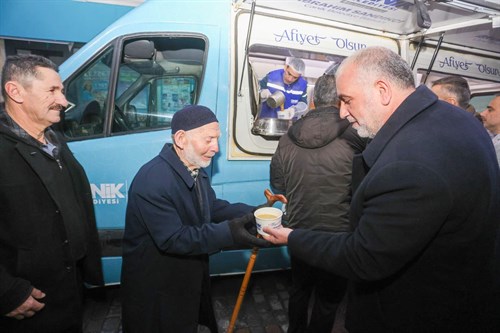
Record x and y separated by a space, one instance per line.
240 230
278 236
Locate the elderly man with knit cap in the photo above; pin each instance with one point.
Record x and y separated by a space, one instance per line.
290 82
173 222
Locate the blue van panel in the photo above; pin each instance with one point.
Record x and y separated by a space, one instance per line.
112 162
221 263
112 268
76 20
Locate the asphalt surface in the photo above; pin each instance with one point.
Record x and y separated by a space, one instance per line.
264 308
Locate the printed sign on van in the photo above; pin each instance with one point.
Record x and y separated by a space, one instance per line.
307 36
108 193
295 35
392 15
454 63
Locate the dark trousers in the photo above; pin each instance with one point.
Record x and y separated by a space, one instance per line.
328 290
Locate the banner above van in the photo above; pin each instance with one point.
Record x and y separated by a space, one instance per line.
401 17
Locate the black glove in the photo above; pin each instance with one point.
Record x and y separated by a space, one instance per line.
239 228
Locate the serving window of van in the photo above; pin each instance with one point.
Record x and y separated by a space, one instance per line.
265 61
255 132
137 90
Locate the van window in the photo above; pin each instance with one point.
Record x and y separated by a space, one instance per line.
154 78
481 101
257 135
88 91
155 104
482 91
264 59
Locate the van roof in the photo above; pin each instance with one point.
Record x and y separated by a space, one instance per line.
475 21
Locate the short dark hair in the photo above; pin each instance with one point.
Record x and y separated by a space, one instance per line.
22 68
456 86
325 91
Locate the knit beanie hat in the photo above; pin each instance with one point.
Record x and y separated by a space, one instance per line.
191 117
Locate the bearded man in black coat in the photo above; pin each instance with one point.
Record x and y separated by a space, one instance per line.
425 209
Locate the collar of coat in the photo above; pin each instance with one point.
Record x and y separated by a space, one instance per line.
411 107
170 156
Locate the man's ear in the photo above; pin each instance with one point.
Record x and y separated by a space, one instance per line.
384 91
451 100
180 139
14 90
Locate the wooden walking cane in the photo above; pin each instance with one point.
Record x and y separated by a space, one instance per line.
271 199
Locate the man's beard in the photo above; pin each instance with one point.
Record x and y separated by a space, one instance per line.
364 132
193 158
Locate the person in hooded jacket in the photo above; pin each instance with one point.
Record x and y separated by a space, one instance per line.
312 167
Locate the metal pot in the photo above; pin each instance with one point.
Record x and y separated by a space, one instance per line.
271 126
277 99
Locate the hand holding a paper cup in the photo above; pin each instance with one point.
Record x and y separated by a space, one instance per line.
267 217
277 236
241 231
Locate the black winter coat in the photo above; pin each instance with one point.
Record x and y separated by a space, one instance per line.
425 218
167 240
312 167
38 246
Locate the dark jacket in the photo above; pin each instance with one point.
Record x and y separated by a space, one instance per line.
48 235
312 167
425 218
166 245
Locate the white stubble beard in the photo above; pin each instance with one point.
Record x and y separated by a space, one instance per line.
193 158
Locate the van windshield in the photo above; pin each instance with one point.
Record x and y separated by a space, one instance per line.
156 77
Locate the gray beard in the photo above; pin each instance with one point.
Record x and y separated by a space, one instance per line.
364 132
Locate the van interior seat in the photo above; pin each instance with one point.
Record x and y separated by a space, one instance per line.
91 120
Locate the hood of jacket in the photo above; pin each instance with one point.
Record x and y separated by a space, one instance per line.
318 128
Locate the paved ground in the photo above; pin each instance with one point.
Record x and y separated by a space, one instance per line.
264 309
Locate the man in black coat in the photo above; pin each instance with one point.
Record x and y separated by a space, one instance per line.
425 210
48 236
173 222
312 167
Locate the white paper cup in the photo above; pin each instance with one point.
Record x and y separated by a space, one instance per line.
267 217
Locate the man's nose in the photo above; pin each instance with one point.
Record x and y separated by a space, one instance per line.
61 99
343 112
215 147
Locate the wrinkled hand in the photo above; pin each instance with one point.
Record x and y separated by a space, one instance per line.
264 94
30 306
278 236
240 227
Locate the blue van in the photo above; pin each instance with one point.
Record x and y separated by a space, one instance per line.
127 82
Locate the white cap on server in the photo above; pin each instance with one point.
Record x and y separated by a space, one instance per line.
297 64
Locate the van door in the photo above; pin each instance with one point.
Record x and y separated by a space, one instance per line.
124 99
